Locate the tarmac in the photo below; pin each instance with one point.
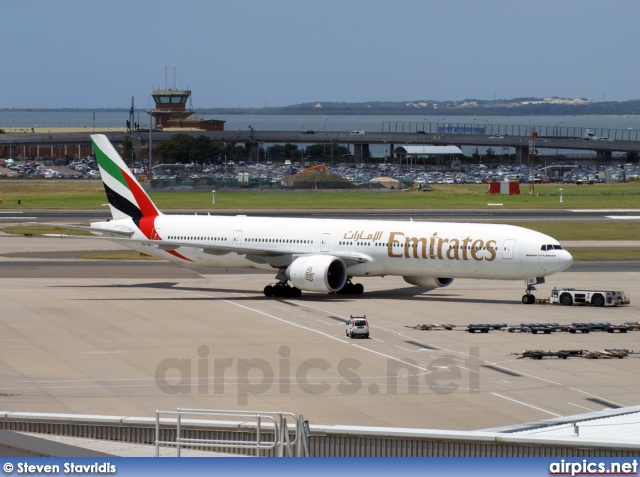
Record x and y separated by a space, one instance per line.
87 336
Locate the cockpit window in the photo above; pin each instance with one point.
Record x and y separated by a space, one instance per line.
551 247
557 247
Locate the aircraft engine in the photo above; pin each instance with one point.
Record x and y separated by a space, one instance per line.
430 282
321 273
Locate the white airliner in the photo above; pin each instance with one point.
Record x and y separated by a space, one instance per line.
322 255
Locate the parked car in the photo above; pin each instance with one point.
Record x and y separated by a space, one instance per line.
357 132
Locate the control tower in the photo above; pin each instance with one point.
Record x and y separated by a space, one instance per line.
170 104
171 111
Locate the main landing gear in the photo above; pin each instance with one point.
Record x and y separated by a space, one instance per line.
351 288
282 289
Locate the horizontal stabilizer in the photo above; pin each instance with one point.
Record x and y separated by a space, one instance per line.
122 233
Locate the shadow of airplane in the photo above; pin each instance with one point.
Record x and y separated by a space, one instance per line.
405 293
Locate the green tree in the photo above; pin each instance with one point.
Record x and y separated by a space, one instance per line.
288 151
231 151
490 153
128 151
203 150
323 151
176 150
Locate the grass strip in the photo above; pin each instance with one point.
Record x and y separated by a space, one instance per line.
69 195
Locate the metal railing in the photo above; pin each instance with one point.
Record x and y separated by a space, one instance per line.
487 129
273 435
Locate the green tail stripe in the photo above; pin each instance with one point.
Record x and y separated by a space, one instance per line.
108 165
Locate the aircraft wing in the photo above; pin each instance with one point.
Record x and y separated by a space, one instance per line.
254 251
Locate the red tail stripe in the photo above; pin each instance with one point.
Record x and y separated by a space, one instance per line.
147 226
146 206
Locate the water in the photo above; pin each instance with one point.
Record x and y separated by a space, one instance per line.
110 119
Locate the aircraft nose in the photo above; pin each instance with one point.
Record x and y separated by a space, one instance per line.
565 260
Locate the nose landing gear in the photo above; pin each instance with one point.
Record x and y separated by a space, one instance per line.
529 298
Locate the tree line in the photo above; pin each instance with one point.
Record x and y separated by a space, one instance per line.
185 149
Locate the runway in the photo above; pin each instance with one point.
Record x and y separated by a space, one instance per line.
126 338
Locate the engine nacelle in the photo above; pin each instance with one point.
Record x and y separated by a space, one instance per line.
321 273
430 282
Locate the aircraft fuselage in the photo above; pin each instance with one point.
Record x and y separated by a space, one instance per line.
436 249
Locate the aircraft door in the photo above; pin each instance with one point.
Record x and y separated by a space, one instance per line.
507 249
324 242
237 238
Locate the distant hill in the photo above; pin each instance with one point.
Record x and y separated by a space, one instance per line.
551 106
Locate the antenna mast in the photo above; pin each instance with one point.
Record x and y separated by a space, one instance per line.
533 154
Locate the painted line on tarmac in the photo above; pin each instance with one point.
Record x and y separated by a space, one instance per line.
598 397
525 404
606 211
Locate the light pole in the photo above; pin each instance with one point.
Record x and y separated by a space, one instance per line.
407 161
10 138
301 142
488 124
150 172
555 134
332 162
437 125
324 144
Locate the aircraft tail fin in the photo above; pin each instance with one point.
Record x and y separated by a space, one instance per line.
125 195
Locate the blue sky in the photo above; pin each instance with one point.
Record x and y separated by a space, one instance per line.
252 53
